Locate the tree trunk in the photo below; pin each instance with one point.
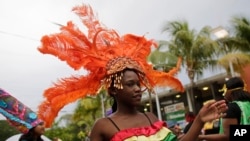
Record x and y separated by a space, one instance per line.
192 96
191 77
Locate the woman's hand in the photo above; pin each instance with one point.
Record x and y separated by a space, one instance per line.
212 110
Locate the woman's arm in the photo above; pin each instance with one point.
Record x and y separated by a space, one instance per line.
194 130
226 122
208 112
96 133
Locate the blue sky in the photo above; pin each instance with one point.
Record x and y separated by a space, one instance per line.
26 73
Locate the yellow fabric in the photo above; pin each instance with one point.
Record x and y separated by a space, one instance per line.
208 125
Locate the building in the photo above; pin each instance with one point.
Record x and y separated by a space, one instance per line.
165 100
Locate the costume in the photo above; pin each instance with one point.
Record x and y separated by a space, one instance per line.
104 54
238 109
245 112
16 113
156 132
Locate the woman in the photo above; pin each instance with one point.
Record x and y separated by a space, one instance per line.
238 112
21 117
118 64
34 134
127 123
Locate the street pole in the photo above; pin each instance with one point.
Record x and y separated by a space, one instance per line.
231 68
158 107
220 33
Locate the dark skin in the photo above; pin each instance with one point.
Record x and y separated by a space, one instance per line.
127 116
226 122
34 133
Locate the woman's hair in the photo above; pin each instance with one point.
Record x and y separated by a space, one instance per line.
114 105
30 136
189 116
237 87
240 95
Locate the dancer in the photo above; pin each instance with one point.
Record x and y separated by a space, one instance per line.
238 112
21 117
119 65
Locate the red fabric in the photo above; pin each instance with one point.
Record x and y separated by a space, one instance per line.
147 131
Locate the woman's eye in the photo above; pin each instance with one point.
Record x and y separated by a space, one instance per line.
133 84
130 84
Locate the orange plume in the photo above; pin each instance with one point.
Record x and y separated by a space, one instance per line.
93 52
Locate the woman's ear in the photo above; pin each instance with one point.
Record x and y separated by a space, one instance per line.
112 91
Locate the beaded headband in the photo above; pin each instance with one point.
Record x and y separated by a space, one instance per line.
236 83
104 54
114 72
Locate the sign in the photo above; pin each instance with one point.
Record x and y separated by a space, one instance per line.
175 113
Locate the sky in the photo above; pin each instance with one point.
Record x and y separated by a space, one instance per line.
25 73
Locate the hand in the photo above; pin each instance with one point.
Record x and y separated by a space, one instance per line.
212 110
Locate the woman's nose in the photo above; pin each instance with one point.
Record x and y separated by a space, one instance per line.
137 88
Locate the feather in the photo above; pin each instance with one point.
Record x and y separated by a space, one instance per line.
92 52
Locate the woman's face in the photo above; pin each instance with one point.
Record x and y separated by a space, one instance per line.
40 129
131 92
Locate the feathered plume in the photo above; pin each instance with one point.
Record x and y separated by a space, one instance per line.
92 52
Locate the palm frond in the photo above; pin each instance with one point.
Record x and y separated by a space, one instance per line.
238 60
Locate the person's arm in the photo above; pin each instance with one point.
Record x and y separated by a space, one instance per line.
219 137
212 137
96 132
194 130
208 112
230 119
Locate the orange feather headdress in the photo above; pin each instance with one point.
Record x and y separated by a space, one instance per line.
103 53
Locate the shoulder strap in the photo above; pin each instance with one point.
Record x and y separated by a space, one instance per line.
113 123
148 119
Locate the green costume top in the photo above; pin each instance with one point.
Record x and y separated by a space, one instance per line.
244 107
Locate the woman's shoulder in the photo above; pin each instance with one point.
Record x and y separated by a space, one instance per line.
100 122
151 116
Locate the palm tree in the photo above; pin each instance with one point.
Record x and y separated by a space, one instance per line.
241 28
240 42
238 60
234 48
195 49
161 60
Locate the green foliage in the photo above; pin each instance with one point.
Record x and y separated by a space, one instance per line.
79 124
162 60
68 132
195 48
7 130
234 48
